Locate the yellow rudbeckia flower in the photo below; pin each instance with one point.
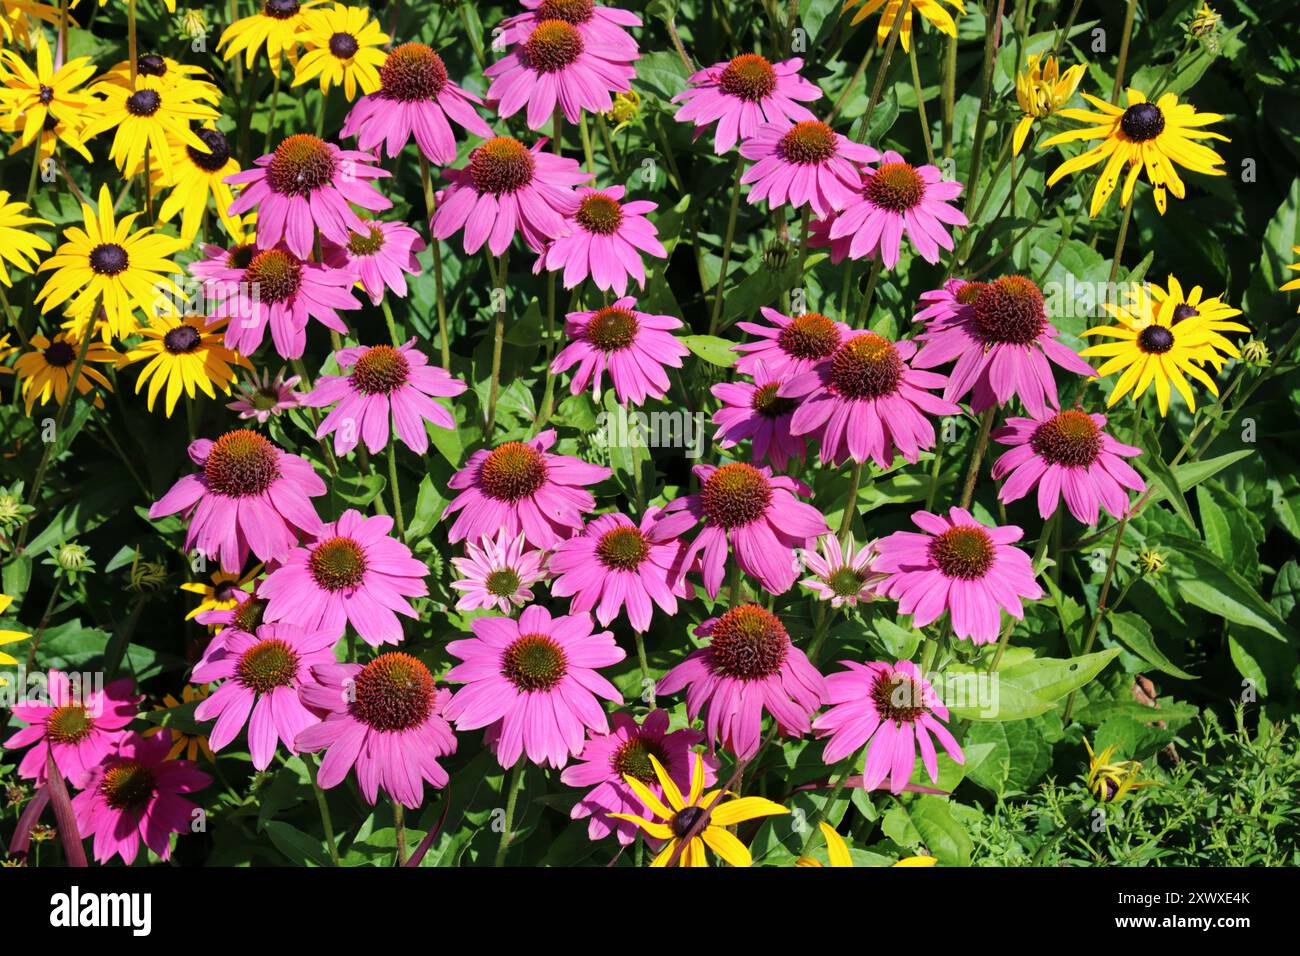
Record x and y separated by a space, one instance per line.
932 10
187 355
275 27
45 102
344 46
1041 90
8 637
18 245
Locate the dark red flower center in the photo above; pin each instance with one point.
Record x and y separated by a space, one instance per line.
512 471
1142 121
749 77
748 643
1155 340
393 692
108 259
898 698
811 336
274 276
300 165
897 187
380 370
343 45
366 244
969 292
241 464
1069 438
218 153
622 548
964 551
534 662
68 724
767 403
552 46
501 165
1009 311
248 616
807 143
45 94
337 564
866 367
127 785
632 758
267 665
600 214
570 11
60 355
181 340
611 329
143 103
411 73
736 494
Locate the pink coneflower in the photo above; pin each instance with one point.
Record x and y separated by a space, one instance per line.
603 26
305 183
634 347
245 616
866 400
135 796
742 94
892 710
841 573
415 97
558 64
1001 341
521 486
273 287
748 666
960 566
386 719
606 240
263 397
260 674
755 411
386 385
1066 455
354 573
613 564
507 187
79 725
533 684
377 255
807 164
626 750
943 303
790 345
248 495
749 508
899 199
498 574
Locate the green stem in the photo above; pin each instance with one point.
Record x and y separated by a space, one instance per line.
512 798
864 307
35 645
1119 240
326 823
399 827
396 487
1129 10
851 503
994 15
498 342
853 81
720 288
949 93
270 120
920 104
390 322
973 470
881 72
644 662
431 206
845 770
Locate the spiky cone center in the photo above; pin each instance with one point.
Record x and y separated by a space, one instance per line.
735 495
367 243
632 758
1009 311
501 165
845 582
512 471
300 165
240 257
964 551
808 143
380 370
502 583
748 643
623 548
248 616
552 46
1070 438
898 698
769 404
68 724
576 12
241 464
1142 122
896 187
811 337
266 665
281 9
144 103
274 276
181 340
413 72
127 785
612 328
109 259
1155 340
394 692
600 214
749 77
969 292
218 153
59 354
534 662
866 367
337 564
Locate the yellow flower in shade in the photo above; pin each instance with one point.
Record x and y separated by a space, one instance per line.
837 851
17 20
1163 336
196 174
932 10
29 98
147 121
220 594
1294 283
194 82
1109 781
171 5
1041 90
184 745
626 108
6 349
275 26
47 369
107 264
184 355
8 637
682 813
1157 137
17 243
343 46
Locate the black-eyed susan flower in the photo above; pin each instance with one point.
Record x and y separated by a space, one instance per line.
224 591
46 370
196 174
19 246
184 745
45 102
194 81
682 814
6 349
1294 283
1041 90
1162 337
18 20
1155 136
8 637
1110 780
275 27
890 10
147 120
343 46
108 264
185 355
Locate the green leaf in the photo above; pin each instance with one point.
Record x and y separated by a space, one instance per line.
1134 633
1204 580
297 846
711 348
1051 678
943 836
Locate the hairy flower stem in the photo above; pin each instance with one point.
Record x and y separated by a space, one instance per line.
854 80
548 389
399 828
881 72
1129 10
949 94
920 104
1044 537
720 288
864 307
991 30
396 488
498 341
512 798
851 502
431 206
34 646
973 471
326 823
270 120
1119 240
